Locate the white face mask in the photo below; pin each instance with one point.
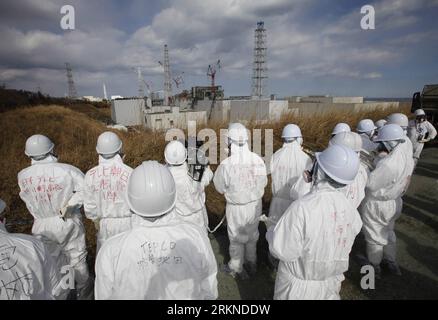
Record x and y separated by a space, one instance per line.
390 145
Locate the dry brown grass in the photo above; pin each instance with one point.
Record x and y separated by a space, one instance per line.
75 134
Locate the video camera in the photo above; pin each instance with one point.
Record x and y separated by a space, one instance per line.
196 158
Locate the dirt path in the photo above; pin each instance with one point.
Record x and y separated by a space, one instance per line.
417 243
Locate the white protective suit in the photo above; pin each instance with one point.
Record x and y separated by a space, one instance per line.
382 205
27 270
49 188
287 165
416 132
300 188
367 144
167 259
313 240
104 201
355 192
190 202
242 179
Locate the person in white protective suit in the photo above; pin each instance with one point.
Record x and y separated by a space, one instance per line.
355 192
367 129
340 127
53 193
287 165
27 270
314 237
190 194
242 179
380 123
403 121
381 207
161 257
105 186
420 131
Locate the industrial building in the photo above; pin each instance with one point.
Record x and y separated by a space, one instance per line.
128 112
306 106
208 103
258 110
92 99
174 119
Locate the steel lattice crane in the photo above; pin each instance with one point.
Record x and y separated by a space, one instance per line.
179 80
211 73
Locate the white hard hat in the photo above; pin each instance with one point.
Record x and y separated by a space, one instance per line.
175 153
390 132
419 112
366 125
341 127
339 162
108 143
291 131
38 145
398 118
151 190
348 139
237 132
380 123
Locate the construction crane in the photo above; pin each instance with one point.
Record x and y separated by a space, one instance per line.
141 80
179 79
211 73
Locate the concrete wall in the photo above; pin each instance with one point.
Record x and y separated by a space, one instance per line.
277 108
257 110
158 109
329 99
128 112
164 121
308 109
220 111
347 99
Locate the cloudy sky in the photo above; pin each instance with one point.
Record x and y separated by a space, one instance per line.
314 47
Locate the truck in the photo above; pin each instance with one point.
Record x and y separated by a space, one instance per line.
428 101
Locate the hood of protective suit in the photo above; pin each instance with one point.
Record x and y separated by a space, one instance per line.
48 159
116 159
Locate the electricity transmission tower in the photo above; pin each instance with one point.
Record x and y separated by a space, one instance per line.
167 77
260 67
72 93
